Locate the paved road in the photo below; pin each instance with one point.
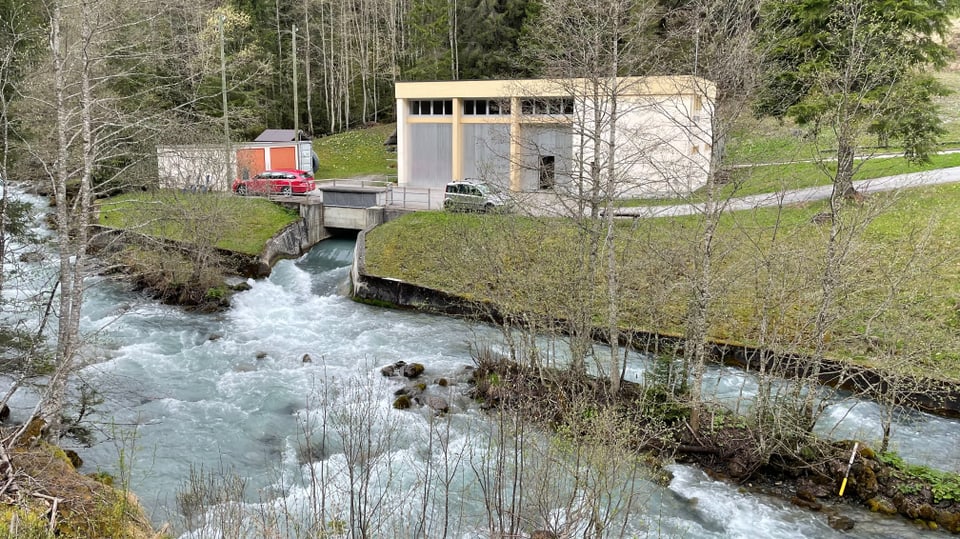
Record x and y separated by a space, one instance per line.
799 196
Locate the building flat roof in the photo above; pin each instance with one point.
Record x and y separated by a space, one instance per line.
625 86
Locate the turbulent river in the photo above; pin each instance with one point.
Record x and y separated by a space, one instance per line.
230 394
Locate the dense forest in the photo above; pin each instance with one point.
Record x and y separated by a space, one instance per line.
347 55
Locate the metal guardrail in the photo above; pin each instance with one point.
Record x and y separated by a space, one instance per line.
365 184
414 198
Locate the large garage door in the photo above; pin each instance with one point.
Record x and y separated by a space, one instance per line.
431 155
486 153
284 157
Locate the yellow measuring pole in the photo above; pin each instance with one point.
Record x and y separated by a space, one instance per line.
853 455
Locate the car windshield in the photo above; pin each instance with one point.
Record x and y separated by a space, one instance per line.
484 188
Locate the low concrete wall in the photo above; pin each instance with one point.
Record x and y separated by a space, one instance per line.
400 294
294 240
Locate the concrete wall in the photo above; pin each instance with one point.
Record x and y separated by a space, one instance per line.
296 239
352 218
194 167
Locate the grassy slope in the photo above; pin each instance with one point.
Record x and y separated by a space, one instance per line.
356 153
768 256
182 216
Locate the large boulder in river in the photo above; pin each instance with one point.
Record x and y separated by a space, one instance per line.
402 402
413 370
841 523
391 370
439 404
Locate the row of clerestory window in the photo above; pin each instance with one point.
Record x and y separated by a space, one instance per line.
491 107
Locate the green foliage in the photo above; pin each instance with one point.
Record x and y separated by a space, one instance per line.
30 524
17 220
835 65
658 402
945 486
217 292
486 35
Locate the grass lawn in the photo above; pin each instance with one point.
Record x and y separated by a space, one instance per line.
229 222
767 140
900 292
754 180
359 152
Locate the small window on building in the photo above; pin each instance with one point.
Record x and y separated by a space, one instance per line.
468 106
697 103
435 108
494 107
695 149
552 106
547 171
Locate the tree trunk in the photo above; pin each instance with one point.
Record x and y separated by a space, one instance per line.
843 181
307 60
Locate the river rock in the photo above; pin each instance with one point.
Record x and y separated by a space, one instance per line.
439 404
393 370
413 370
306 358
810 491
4 412
882 505
74 458
806 504
841 523
31 257
950 521
402 402
865 481
261 355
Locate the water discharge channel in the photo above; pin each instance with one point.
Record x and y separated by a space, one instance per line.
230 393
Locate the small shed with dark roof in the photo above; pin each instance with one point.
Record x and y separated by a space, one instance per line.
278 135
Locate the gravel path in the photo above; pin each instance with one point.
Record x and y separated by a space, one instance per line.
799 196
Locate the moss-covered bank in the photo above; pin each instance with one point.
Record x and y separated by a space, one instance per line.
43 496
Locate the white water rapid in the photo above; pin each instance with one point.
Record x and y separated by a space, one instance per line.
230 393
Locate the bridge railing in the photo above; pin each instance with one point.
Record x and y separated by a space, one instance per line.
415 198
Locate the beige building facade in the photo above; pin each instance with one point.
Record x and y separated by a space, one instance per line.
642 135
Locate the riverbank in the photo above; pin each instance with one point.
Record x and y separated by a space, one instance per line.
938 397
804 469
810 472
47 496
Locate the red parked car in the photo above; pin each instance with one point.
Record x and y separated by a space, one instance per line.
281 181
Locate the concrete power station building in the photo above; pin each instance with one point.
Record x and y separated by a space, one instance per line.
651 135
